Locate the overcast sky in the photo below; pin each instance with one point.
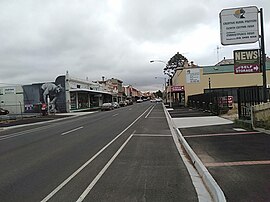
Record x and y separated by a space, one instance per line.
42 39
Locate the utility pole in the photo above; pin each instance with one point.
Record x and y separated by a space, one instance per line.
263 58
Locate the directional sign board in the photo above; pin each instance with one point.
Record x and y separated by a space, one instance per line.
246 61
239 25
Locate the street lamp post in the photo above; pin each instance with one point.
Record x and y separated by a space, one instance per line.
169 84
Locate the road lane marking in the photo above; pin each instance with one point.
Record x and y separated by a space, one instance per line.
59 187
4 137
156 117
92 184
151 135
222 134
149 112
238 163
73 130
115 115
239 129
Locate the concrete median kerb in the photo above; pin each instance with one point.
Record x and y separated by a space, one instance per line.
207 178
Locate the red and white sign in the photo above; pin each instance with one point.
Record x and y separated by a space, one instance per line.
178 88
246 68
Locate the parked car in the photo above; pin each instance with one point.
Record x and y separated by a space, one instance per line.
158 100
129 102
122 103
3 111
107 106
139 101
115 105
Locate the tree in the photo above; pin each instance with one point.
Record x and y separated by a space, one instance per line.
178 60
158 94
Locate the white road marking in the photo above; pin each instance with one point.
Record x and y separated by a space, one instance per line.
115 115
50 195
151 135
92 184
156 117
73 130
239 129
4 137
222 134
188 122
149 112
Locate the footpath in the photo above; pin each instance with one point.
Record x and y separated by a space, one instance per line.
234 162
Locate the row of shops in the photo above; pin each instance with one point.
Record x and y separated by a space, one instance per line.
65 94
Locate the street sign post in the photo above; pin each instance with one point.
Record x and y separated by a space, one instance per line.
239 25
246 61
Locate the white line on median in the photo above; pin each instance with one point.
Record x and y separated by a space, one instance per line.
151 135
149 112
92 184
73 130
48 197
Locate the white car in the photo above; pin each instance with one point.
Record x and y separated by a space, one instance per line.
115 104
107 106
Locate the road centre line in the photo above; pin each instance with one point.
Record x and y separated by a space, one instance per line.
221 134
59 187
92 184
115 115
73 130
149 112
238 163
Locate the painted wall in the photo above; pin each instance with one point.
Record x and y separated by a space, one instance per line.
11 98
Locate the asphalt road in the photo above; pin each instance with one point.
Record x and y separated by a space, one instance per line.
127 154
238 159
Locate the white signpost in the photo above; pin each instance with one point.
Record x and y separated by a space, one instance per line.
239 25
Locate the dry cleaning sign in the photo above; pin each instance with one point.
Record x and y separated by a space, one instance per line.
246 61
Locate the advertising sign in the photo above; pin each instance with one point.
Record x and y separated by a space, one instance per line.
246 61
193 75
239 25
178 88
10 90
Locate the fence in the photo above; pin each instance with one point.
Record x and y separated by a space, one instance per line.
216 102
248 97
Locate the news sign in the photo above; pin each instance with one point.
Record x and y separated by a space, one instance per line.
246 61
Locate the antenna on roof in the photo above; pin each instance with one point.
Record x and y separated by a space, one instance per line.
218 48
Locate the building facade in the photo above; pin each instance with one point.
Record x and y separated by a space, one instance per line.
192 80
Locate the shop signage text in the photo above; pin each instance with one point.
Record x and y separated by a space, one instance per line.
246 61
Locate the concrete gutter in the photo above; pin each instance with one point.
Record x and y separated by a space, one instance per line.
207 178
